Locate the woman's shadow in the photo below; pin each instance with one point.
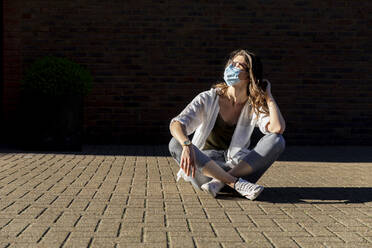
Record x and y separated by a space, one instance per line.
311 195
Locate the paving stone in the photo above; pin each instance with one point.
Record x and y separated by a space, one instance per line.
181 242
77 242
227 233
319 231
203 243
177 223
155 237
257 244
350 236
81 200
200 227
283 242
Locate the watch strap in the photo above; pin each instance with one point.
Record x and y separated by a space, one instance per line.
186 143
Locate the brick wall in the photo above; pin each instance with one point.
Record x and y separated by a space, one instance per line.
12 64
150 58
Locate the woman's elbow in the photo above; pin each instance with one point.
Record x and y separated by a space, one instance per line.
282 128
175 126
278 129
172 126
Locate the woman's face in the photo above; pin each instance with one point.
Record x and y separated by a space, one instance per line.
239 62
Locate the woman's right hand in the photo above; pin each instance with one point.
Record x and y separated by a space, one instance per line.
188 160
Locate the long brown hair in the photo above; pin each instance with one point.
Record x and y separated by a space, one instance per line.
256 87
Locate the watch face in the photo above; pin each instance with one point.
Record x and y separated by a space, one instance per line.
187 143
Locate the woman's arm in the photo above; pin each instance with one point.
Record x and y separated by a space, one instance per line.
276 123
187 162
185 124
178 131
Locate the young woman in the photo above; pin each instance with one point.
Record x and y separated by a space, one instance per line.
223 119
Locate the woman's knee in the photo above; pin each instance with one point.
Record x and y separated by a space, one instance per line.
278 142
174 147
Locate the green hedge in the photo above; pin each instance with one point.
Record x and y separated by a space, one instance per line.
55 76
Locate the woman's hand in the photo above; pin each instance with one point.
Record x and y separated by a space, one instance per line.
276 123
188 160
268 94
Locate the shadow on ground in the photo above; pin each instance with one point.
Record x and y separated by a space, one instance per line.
340 154
110 150
308 195
292 153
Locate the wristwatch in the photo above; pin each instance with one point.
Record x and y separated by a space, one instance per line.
186 143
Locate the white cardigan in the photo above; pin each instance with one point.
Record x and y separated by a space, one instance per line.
200 115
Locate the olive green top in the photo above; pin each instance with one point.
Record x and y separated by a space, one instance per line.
220 136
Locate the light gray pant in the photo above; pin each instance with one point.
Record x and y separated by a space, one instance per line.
261 157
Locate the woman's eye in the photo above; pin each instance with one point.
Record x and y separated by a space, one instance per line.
236 64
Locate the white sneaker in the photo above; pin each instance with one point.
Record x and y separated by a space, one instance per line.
213 187
182 174
247 189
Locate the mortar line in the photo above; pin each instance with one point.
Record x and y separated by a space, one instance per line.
23 230
6 224
97 225
59 216
65 240
90 242
42 211
42 236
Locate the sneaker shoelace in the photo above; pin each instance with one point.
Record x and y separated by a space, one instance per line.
245 186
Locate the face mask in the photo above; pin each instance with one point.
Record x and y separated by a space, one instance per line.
231 75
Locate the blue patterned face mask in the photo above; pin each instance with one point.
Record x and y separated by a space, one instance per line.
231 75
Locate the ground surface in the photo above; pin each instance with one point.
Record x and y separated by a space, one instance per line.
127 196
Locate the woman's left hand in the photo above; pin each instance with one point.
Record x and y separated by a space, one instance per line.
268 95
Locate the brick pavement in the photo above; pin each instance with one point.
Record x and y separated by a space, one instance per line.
123 197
